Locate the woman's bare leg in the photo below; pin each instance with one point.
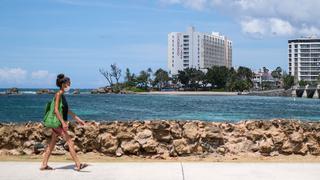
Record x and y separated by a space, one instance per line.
49 149
71 148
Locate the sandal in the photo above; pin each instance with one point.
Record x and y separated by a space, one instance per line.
46 168
82 166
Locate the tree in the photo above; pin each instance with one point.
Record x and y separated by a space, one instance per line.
288 81
161 78
217 76
107 75
183 78
245 73
144 79
130 80
115 73
190 77
277 73
231 80
303 83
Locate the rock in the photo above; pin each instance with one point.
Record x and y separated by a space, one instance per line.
12 91
279 138
28 144
102 90
212 136
227 127
190 130
255 135
221 150
287 148
144 136
27 151
14 152
176 131
150 146
314 148
297 137
266 147
44 91
252 125
47 132
301 149
125 135
76 91
108 143
274 153
38 148
130 147
58 152
163 135
4 152
119 152
181 146
79 131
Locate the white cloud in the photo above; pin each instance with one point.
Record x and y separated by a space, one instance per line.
19 76
12 75
266 17
309 31
41 74
264 27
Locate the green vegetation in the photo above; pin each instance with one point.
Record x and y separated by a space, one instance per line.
216 78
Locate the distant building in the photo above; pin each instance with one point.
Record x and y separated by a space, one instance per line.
198 50
304 58
264 80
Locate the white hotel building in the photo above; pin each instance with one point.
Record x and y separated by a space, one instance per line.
198 50
304 58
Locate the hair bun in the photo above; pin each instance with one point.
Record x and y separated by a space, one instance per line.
60 76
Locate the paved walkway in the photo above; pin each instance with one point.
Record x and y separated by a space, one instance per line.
163 171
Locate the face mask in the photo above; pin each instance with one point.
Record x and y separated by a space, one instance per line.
67 89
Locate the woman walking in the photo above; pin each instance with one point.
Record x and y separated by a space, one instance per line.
63 83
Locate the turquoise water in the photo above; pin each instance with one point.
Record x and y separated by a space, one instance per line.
29 107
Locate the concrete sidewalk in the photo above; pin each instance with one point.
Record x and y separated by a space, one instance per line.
162 171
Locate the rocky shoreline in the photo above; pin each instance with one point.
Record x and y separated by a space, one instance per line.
169 139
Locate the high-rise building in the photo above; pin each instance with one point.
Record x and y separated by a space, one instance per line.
304 58
198 50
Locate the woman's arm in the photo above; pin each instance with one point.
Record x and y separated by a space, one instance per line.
56 111
76 118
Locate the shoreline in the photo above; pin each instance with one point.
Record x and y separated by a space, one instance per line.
278 140
195 93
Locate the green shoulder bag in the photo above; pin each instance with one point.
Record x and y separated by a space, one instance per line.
50 119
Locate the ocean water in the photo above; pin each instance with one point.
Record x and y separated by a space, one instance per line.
109 107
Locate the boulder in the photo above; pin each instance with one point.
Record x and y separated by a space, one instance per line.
176 131
181 146
150 146
162 135
119 152
130 147
76 91
12 91
44 91
296 137
255 135
108 143
144 136
123 135
266 147
190 130
287 148
314 148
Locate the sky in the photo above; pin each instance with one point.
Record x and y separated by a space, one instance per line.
41 38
